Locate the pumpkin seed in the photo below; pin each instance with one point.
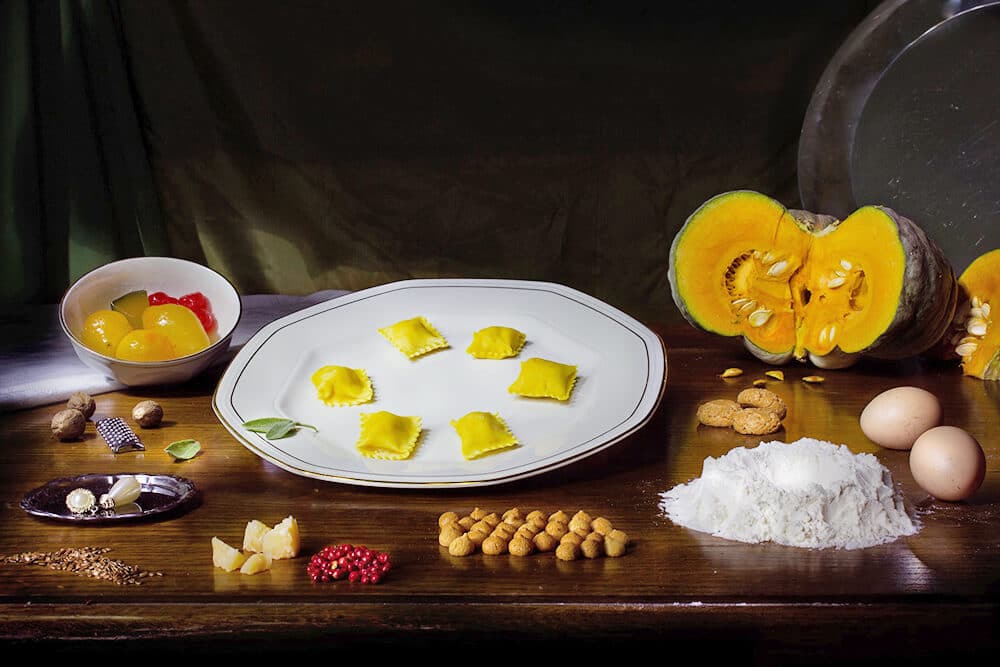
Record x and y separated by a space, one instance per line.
740 301
749 305
813 379
759 318
976 326
777 375
828 333
847 265
977 302
965 349
769 257
836 281
975 312
731 373
777 268
985 308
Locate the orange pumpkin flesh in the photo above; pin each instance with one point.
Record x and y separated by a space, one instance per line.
976 336
806 286
717 269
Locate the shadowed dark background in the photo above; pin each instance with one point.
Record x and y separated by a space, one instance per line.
309 145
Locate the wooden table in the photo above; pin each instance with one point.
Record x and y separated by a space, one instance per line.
924 595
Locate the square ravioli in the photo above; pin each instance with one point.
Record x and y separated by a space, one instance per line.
481 433
542 378
496 343
342 386
385 435
414 337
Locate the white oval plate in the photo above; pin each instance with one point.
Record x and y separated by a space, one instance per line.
621 376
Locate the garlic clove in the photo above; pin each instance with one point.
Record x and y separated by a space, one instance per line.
123 492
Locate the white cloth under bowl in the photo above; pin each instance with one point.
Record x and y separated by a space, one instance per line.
39 367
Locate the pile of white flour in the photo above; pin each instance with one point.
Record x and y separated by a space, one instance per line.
807 493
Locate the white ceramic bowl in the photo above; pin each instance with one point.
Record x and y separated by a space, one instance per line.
176 277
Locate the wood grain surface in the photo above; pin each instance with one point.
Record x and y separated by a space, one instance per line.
923 595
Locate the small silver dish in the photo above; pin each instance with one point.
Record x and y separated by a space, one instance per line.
160 494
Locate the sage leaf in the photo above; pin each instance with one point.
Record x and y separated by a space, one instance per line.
280 429
182 450
274 428
263 425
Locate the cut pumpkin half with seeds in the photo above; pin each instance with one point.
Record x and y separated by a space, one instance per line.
974 336
798 285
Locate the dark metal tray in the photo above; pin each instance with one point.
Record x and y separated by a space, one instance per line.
160 494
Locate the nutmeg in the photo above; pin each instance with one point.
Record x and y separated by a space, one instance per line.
147 414
83 402
68 424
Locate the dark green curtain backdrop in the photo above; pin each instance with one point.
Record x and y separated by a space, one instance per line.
75 184
305 145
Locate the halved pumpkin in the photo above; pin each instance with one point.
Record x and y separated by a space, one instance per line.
975 336
799 285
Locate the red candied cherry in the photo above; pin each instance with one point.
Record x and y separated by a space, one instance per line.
160 298
199 304
208 320
194 301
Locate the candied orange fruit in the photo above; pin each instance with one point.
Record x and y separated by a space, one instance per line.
179 324
145 345
103 330
159 331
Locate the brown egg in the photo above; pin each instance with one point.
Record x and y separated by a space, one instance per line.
948 463
897 417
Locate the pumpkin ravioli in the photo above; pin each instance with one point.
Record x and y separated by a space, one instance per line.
482 433
414 337
385 435
543 378
342 386
496 342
